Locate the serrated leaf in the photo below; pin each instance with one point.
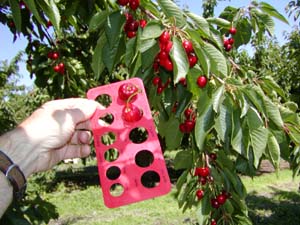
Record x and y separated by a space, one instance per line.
258 139
273 151
113 28
203 59
273 113
264 19
254 119
16 13
172 11
183 160
272 85
237 134
245 32
180 60
217 60
205 120
98 20
51 10
97 61
200 23
220 22
267 8
152 30
217 98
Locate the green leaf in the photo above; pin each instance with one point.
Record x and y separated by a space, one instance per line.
97 60
237 134
220 22
113 28
172 11
265 21
203 209
244 33
179 59
16 13
205 120
152 30
254 119
183 160
269 84
98 20
201 23
182 180
204 60
218 97
273 113
273 151
51 10
267 8
258 139
32 7
255 94
217 60
170 130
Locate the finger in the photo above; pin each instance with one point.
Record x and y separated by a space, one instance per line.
76 151
86 125
80 137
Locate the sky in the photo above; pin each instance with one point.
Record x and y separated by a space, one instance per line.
8 48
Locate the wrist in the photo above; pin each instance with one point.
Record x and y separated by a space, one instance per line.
16 146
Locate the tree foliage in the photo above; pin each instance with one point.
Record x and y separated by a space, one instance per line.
237 119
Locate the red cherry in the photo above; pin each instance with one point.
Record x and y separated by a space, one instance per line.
199 194
192 59
156 81
143 23
202 81
183 81
49 24
163 56
132 26
174 108
203 171
56 69
214 203
131 34
134 4
128 91
221 199
168 47
232 30
61 68
156 67
203 180
55 55
188 112
213 222
131 113
129 17
226 42
167 64
188 46
50 55
159 90
123 2
164 37
213 156
189 125
228 47
230 41
182 128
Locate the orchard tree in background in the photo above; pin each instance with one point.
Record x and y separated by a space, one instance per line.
221 117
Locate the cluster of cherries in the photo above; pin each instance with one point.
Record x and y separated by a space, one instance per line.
229 41
189 123
132 25
60 67
189 49
203 174
128 93
133 4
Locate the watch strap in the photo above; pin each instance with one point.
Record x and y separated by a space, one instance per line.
14 174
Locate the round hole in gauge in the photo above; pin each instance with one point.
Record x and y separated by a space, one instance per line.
113 173
144 158
138 135
104 99
150 179
116 190
111 155
106 119
108 138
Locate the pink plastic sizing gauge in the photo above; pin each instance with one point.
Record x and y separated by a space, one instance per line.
131 165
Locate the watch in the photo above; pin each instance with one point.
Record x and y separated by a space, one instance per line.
14 174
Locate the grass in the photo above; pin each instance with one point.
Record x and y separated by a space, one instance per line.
272 200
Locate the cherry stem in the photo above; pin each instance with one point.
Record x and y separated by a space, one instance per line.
134 94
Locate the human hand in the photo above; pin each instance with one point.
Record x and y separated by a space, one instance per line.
56 131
